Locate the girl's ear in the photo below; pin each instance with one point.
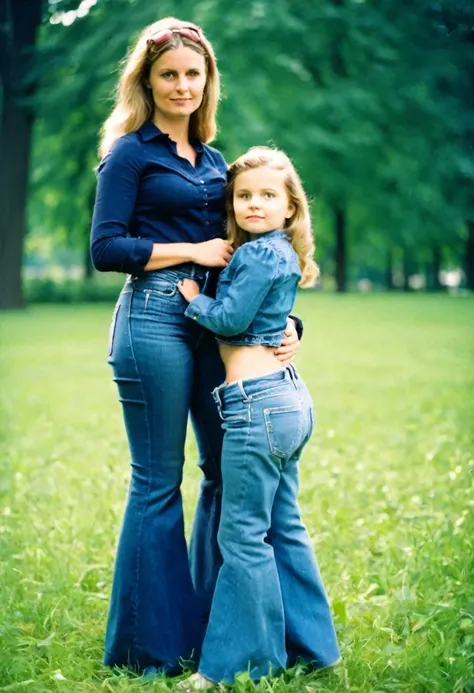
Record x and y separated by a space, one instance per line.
290 211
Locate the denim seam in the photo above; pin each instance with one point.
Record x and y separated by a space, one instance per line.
135 601
241 497
264 395
207 439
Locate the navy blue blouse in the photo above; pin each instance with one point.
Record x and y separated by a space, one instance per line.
147 193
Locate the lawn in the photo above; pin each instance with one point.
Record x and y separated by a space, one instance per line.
386 491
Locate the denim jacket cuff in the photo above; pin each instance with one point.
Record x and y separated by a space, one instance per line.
198 306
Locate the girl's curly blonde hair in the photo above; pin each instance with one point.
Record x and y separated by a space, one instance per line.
297 227
134 101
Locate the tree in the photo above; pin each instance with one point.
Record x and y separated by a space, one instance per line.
366 99
19 22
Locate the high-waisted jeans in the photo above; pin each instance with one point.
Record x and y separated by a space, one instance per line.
165 367
270 607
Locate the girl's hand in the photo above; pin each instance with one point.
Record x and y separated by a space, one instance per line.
189 289
288 349
215 253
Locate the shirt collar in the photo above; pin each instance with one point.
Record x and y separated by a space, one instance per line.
149 131
268 234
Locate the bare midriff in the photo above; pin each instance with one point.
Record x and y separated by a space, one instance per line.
243 362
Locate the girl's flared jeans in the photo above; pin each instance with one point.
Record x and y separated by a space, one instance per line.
270 607
165 367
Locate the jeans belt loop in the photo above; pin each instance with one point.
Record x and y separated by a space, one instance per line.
292 373
242 391
218 401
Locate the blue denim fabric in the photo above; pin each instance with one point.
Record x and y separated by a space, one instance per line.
270 607
165 366
255 293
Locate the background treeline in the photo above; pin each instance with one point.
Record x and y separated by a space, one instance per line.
373 99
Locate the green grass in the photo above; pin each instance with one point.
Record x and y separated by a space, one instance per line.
387 494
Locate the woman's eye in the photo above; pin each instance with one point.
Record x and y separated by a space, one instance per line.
194 73
167 75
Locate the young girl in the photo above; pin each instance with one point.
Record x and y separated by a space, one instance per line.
269 607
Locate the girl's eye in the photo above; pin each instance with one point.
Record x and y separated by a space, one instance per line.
244 196
167 75
194 73
269 195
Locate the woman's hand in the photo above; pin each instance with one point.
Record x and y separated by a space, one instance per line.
288 349
215 253
189 289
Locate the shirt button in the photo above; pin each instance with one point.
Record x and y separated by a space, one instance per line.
202 182
205 204
195 317
207 223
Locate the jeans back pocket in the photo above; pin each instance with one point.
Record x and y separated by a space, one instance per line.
284 429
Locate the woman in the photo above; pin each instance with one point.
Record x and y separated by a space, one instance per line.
159 217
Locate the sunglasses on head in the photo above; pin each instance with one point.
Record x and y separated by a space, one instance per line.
193 33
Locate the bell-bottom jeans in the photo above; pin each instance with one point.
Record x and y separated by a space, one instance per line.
165 367
270 607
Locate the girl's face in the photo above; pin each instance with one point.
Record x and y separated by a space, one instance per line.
177 80
261 200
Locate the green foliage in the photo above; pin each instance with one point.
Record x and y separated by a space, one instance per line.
72 291
386 493
374 101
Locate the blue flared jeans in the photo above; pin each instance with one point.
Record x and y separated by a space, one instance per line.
270 607
166 368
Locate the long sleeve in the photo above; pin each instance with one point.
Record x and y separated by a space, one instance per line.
254 269
117 187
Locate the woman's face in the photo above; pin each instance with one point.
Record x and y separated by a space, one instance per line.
177 80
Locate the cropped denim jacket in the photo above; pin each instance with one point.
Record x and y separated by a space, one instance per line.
255 293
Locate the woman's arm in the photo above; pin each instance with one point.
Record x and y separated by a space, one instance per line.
214 253
117 188
288 349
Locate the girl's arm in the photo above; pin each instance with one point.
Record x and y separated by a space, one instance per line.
254 271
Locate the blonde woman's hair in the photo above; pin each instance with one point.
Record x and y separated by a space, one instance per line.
134 100
297 227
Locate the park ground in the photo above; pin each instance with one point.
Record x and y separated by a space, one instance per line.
387 493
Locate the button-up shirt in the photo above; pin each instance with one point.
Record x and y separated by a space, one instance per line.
255 293
147 193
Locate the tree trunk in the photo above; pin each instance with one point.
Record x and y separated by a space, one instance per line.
469 259
341 249
407 270
19 21
88 266
435 284
389 270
